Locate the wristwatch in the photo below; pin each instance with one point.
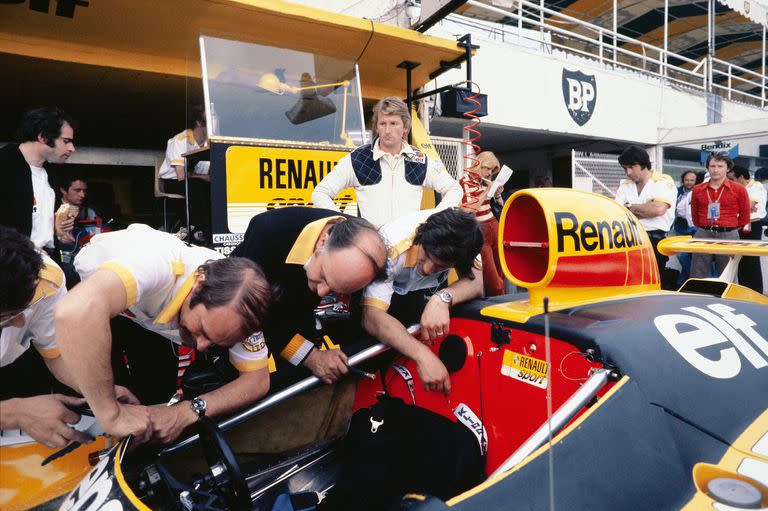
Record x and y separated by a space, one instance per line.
198 406
445 296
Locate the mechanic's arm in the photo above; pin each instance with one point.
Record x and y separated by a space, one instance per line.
85 340
168 422
45 418
436 318
179 172
342 176
649 209
384 327
443 183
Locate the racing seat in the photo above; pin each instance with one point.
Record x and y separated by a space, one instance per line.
160 192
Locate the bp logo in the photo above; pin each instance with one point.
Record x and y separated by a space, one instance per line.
580 95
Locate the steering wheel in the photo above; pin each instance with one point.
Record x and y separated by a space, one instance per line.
224 470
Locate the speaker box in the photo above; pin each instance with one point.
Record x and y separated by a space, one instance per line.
455 104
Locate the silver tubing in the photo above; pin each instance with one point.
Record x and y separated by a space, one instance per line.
559 419
278 397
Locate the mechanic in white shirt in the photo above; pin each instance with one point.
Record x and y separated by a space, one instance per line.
651 196
425 246
32 284
388 176
190 295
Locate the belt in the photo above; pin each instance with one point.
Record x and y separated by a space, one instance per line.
656 233
717 228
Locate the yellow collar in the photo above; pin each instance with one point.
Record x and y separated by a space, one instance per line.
50 279
304 246
172 309
411 257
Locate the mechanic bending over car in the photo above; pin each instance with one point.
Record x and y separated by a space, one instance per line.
312 253
190 295
30 286
425 246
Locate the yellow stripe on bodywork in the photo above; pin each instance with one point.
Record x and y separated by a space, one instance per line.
123 484
729 465
678 244
560 436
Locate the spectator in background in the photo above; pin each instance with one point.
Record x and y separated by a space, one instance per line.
542 182
651 196
475 185
719 208
87 223
389 175
750 273
44 135
173 171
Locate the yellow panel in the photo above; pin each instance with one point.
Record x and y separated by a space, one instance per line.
163 37
25 484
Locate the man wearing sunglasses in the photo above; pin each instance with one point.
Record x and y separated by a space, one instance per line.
30 286
425 246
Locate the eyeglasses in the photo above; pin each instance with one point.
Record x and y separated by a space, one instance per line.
8 320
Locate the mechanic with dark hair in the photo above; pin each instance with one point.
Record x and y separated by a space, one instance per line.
186 294
173 170
309 254
750 272
651 196
719 207
425 246
30 286
44 135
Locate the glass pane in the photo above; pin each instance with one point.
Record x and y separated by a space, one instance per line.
267 93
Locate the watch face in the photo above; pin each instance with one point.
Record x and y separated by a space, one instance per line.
198 405
446 296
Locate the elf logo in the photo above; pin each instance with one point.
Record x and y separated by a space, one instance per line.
715 340
580 95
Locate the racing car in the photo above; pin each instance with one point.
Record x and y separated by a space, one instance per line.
593 389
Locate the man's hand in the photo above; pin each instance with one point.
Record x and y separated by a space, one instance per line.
435 320
126 396
432 371
45 418
168 422
67 224
328 365
129 420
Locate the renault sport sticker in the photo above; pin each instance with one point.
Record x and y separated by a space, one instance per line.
524 368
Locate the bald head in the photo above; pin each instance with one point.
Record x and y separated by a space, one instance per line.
349 256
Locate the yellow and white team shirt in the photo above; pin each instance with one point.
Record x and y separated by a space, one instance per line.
158 271
39 329
404 276
757 192
660 188
178 145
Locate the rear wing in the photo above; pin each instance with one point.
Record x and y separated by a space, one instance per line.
678 244
723 285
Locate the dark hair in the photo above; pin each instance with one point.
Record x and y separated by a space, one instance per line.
196 114
453 236
42 121
67 181
720 156
346 233
635 155
739 171
761 174
20 266
700 175
237 281
682 176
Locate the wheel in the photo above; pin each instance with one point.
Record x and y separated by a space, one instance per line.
224 469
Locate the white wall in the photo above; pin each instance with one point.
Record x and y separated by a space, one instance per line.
525 90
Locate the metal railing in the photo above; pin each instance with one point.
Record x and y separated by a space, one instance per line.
555 30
